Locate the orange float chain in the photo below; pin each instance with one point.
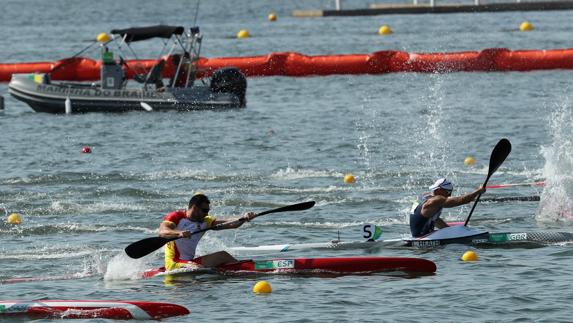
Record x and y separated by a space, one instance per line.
295 64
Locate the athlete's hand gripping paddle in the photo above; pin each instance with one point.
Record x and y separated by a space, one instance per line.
146 246
498 156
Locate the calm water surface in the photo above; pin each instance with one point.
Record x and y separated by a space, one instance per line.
294 142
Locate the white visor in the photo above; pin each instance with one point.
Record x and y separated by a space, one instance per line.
442 183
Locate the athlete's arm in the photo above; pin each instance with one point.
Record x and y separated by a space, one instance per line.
167 229
234 222
463 199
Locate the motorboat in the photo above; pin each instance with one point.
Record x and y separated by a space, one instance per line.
123 87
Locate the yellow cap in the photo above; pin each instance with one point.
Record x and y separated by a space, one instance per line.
272 16
262 287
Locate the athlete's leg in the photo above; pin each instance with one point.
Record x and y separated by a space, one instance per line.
215 259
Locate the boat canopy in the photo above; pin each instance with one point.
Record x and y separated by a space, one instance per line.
143 33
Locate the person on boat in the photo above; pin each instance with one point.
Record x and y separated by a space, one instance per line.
425 214
182 223
181 64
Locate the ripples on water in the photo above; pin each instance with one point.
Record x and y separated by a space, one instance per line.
294 142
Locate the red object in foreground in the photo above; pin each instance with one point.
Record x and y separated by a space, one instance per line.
86 309
310 266
86 150
296 64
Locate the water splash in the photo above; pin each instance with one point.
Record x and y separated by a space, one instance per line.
556 199
92 266
432 141
4 209
368 131
290 173
122 267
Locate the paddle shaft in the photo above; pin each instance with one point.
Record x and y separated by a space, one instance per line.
498 156
516 184
146 246
243 219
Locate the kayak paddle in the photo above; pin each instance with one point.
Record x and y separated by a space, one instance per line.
146 246
515 184
498 156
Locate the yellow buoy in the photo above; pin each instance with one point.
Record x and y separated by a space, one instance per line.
526 26
469 161
243 33
272 16
469 256
14 218
262 287
349 179
102 38
385 30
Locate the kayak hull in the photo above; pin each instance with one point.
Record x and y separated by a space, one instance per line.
311 266
87 309
485 240
500 239
453 234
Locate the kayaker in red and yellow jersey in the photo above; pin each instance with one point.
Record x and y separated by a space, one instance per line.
182 223
426 211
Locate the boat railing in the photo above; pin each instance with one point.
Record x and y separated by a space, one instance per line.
433 3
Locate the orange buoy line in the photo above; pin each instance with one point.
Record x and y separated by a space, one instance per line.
295 64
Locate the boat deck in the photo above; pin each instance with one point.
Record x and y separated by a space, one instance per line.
395 8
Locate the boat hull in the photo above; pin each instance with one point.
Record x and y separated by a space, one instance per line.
89 309
487 240
84 98
312 266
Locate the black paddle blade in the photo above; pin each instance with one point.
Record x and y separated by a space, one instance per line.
294 207
498 156
145 246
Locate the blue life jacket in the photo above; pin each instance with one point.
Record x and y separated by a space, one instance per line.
420 225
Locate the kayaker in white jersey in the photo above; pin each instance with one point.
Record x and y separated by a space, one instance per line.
426 212
182 223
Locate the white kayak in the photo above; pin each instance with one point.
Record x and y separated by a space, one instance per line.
450 235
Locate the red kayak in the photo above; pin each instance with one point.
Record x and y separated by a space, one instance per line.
83 309
309 266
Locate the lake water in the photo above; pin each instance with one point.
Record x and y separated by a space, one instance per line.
294 142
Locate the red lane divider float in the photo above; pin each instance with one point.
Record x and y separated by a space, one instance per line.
295 64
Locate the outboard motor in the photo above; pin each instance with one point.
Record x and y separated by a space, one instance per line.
230 80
